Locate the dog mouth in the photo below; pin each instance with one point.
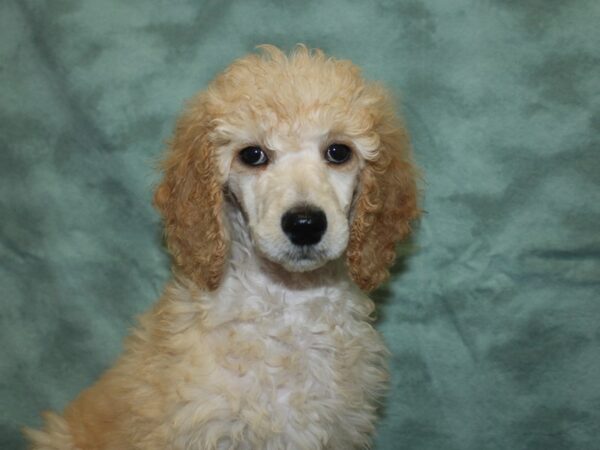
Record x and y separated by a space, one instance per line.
297 258
305 253
304 258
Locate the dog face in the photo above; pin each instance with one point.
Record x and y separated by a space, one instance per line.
312 154
296 191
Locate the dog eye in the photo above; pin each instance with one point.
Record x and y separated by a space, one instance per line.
338 153
253 156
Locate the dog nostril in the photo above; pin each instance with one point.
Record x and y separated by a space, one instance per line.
304 226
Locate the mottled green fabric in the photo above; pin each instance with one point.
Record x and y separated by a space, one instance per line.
493 322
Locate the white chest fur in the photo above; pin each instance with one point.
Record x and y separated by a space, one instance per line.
279 368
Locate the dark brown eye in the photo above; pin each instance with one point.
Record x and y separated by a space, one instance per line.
253 156
338 153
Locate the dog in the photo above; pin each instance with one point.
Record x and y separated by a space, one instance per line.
285 189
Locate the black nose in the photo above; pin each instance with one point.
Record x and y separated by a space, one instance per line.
304 225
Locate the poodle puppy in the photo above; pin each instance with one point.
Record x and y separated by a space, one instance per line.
286 186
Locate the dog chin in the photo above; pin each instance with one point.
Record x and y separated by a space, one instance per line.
303 265
299 260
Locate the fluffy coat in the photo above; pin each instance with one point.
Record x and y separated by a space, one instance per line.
243 351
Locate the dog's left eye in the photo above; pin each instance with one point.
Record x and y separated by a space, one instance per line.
253 156
338 153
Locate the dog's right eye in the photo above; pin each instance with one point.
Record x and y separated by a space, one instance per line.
254 156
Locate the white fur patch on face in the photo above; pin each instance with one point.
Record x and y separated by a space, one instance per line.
297 175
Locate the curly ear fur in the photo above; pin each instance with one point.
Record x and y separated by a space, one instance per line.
386 204
190 200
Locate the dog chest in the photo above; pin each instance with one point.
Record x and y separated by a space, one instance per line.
301 371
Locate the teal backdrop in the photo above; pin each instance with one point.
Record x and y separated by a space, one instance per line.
493 321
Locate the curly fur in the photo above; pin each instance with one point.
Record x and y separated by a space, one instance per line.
190 199
241 353
384 211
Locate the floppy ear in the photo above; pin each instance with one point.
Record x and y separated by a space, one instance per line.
386 204
190 200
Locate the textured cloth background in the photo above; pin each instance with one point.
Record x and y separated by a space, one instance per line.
494 322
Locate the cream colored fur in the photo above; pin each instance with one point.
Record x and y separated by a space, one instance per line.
282 353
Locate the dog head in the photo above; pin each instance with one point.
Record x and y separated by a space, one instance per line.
313 155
